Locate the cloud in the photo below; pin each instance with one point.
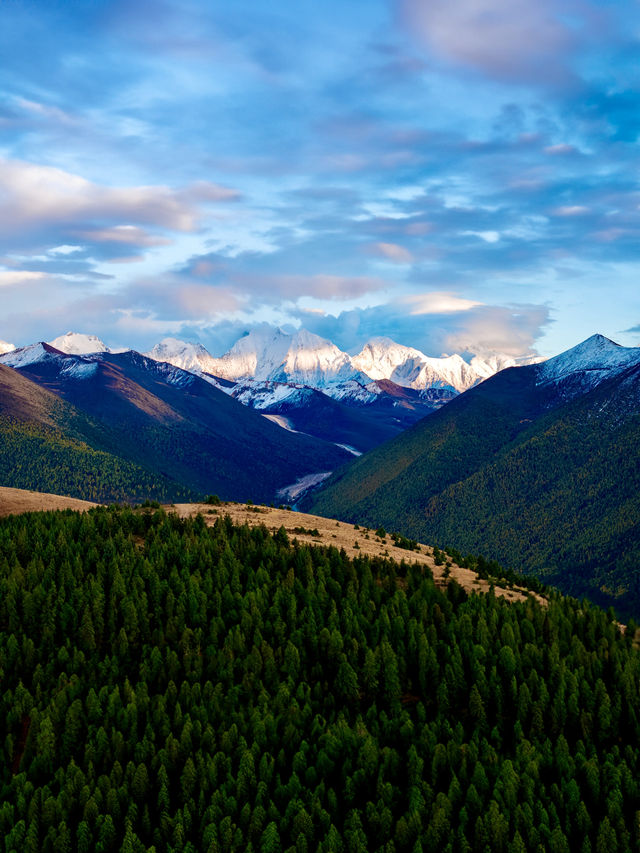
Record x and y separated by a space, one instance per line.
252 275
391 252
438 302
175 298
45 204
570 210
11 278
487 236
517 40
127 234
456 325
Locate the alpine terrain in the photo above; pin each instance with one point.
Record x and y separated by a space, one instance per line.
181 434
306 383
537 466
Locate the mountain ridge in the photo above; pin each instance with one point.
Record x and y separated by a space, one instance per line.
540 474
175 422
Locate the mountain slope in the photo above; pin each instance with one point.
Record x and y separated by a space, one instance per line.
177 424
537 467
49 445
297 377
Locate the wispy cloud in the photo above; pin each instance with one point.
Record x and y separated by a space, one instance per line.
518 40
40 200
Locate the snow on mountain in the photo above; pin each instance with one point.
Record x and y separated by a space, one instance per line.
75 367
188 356
32 354
315 361
382 358
486 367
255 355
75 343
353 391
5 347
264 395
78 369
272 355
588 363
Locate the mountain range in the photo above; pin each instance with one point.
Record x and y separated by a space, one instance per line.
304 383
536 467
167 433
272 355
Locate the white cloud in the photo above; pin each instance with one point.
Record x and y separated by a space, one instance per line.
487 236
11 278
322 286
438 302
33 196
570 210
129 234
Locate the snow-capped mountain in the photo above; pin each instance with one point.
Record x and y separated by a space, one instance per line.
272 355
266 395
75 343
302 358
486 367
74 367
5 347
382 358
188 356
588 363
32 354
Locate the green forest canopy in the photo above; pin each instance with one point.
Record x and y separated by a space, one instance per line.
172 686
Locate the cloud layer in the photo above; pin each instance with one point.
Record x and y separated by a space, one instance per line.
455 175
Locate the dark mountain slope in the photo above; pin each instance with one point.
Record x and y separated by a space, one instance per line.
47 444
361 418
543 476
181 426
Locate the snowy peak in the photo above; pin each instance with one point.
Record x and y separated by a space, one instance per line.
75 343
269 354
254 356
589 362
313 360
32 354
272 355
382 358
187 356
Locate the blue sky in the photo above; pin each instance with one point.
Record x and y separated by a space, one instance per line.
460 175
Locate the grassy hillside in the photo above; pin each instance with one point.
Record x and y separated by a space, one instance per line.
549 491
170 686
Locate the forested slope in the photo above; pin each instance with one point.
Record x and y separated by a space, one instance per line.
47 444
125 428
549 487
172 686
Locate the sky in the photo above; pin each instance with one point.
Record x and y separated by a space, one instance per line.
458 175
